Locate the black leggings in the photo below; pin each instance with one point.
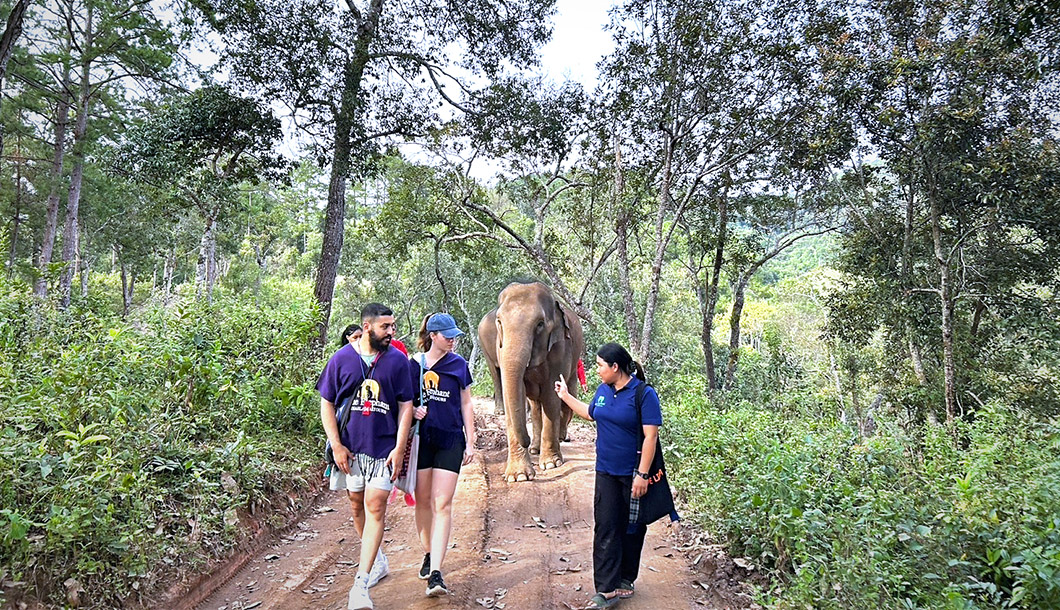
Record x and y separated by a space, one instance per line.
616 553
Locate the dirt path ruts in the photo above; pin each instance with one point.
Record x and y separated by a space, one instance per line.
519 545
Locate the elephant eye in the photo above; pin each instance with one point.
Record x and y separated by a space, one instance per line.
540 326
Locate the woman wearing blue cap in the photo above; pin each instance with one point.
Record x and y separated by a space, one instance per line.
447 438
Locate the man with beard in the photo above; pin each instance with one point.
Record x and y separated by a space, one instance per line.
368 448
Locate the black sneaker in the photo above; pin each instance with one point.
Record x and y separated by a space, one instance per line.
425 569
435 585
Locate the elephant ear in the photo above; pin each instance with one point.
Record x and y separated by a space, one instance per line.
561 328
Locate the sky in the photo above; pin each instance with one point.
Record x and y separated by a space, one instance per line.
578 41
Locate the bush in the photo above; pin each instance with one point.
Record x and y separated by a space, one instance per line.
129 445
949 519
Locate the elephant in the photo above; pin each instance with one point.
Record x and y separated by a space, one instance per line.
529 341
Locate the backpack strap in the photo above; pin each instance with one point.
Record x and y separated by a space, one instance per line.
638 401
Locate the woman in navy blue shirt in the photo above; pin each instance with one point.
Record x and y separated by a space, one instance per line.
447 438
622 464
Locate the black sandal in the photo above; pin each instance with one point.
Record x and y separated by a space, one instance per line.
602 601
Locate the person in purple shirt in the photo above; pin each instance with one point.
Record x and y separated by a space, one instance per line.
367 451
447 438
621 467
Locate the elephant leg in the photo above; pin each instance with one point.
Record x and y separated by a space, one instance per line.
519 468
551 456
535 417
565 417
498 390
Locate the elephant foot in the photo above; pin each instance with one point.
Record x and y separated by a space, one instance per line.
519 471
552 461
535 451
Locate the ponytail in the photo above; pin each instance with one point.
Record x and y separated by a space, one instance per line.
636 370
423 339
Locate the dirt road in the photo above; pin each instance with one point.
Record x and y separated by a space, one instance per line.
519 545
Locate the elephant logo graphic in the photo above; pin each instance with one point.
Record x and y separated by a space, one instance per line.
430 380
369 390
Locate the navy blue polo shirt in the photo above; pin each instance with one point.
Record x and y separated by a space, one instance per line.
617 433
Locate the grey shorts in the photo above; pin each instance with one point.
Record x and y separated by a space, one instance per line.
365 471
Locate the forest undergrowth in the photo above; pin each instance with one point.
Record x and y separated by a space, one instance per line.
135 448
130 447
915 515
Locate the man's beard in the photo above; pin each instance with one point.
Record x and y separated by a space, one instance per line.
378 344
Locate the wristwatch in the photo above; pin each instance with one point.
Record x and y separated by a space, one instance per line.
640 474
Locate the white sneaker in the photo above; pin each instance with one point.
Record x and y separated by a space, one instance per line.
359 599
380 569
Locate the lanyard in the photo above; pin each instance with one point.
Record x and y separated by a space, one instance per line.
366 404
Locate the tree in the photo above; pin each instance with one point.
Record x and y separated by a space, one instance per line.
959 115
101 43
8 40
704 104
772 225
376 71
196 150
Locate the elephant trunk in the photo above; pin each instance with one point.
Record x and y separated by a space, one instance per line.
513 363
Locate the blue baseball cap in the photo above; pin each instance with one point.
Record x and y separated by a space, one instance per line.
445 324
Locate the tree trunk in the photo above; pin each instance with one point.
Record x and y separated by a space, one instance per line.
349 108
16 220
622 247
712 291
7 44
838 384
734 327
167 275
907 286
127 280
70 230
51 222
948 366
977 317
206 270
82 264
446 306
661 242
71 233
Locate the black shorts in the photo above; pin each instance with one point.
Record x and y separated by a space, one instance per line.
446 459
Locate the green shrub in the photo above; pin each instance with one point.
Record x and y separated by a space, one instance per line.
129 445
963 519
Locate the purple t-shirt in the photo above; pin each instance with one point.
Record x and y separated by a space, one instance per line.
374 392
444 425
617 432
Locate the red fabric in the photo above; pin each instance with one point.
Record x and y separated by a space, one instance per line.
581 374
400 346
